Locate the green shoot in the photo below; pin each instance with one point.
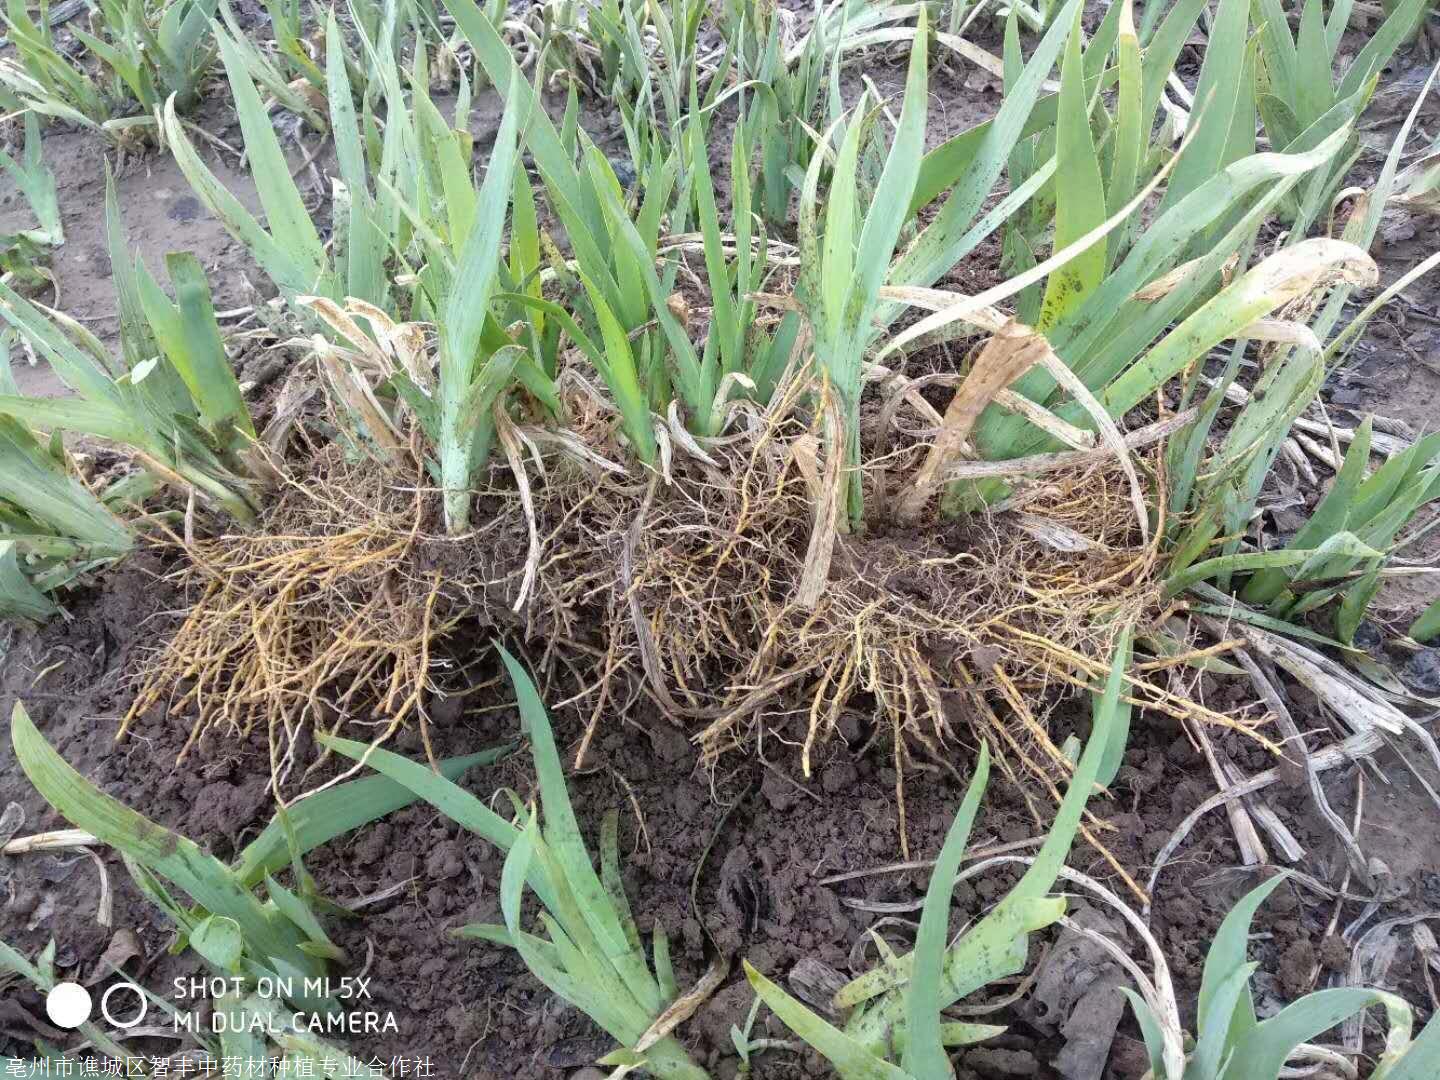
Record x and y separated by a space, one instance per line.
1299 99
1232 1043
51 527
24 252
1340 551
279 939
146 57
274 942
590 952
896 1030
172 397
44 79
846 259
155 62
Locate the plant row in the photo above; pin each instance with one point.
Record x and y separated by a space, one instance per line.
587 950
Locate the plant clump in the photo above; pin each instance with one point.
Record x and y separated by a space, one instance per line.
345 607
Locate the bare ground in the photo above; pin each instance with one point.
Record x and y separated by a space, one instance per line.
471 1008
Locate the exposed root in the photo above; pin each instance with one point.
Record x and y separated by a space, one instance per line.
920 630
325 614
686 589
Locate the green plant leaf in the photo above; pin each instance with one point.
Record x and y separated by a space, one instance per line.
1227 954
218 939
1331 515
1264 1049
1149 1030
924 1053
1427 626
562 836
339 810
449 798
1080 205
852 1059
18 598
464 431
204 878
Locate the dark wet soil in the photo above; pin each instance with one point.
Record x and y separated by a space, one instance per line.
474 1011
471 1009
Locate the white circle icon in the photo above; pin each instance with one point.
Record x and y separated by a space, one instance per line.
105 1005
68 1005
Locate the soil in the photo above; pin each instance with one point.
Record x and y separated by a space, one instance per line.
472 1009
160 215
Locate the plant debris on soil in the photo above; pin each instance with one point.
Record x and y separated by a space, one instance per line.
807 758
